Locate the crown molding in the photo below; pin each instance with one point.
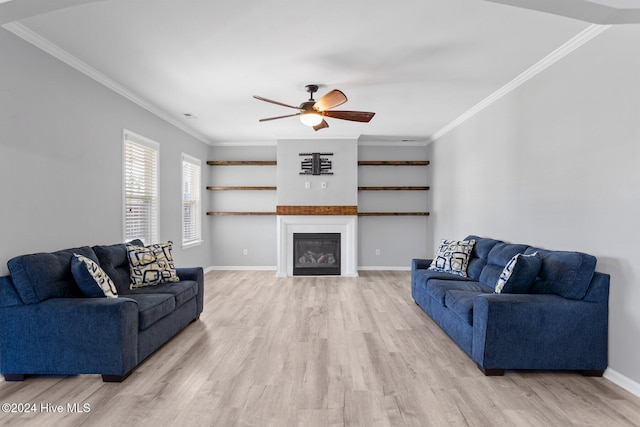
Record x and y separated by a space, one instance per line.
267 143
392 142
580 39
52 49
57 52
362 143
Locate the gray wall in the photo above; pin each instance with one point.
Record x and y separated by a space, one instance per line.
61 159
383 242
555 164
341 188
231 235
389 241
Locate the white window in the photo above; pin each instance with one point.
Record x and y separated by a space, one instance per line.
191 201
141 164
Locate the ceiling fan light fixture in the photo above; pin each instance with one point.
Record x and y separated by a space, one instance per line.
311 119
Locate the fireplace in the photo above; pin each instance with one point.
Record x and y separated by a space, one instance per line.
316 254
345 225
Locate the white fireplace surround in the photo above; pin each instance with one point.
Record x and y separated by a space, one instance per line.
346 225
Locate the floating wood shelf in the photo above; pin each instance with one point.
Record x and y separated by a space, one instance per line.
393 213
241 213
241 162
393 162
393 188
232 187
359 213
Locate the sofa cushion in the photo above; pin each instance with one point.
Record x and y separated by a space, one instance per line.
437 289
182 291
151 265
152 307
567 274
498 258
461 302
91 279
114 261
519 274
452 256
423 276
479 254
38 277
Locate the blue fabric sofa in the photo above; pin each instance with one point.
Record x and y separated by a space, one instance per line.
561 323
47 326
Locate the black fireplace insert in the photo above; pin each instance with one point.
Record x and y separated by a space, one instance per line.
316 254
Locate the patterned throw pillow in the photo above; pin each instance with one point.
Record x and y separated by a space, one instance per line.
452 257
151 265
91 279
519 274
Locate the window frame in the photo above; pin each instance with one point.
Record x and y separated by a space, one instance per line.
197 163
154 226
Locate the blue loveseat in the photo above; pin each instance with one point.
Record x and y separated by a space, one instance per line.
48 326
561 323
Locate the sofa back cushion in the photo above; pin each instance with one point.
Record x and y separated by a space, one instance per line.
38 277
519 274
499 256
567 274
479 255
115 262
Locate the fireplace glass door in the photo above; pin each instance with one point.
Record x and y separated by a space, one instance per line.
316 254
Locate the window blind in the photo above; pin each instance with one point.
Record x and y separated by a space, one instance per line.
191 201
140 188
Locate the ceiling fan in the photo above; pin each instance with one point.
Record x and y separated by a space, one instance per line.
312 112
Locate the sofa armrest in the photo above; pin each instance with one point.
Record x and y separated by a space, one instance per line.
416 265
420 264
535 331
190 273
197 275
70 336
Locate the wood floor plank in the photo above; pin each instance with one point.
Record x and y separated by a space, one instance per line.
319 351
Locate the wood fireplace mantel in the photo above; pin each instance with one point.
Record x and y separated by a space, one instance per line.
316 210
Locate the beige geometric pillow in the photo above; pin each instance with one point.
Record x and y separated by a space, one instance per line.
151 265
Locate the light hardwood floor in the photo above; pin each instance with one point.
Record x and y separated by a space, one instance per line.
319 352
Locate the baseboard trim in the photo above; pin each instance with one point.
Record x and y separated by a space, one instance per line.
241 267
622 381
269 268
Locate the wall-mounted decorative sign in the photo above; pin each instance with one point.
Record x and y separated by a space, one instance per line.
316 164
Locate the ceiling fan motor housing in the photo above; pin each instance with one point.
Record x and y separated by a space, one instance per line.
307 107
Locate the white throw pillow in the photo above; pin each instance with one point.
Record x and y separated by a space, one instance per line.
452 257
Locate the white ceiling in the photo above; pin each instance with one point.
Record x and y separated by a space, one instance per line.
418 64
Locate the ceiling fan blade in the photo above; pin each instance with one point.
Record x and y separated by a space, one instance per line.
354 116
279 117
274 102
323 124
330 100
